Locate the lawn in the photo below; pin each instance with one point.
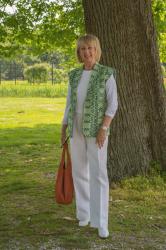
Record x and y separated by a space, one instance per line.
23 89
30 218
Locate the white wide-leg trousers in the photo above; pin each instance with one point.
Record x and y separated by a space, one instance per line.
89 169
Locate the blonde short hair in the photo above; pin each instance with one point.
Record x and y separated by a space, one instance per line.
89 39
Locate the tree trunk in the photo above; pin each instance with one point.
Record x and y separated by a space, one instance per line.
126 31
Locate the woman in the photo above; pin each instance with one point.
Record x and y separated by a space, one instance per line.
90 108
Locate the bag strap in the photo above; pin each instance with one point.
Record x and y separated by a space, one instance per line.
65 141
67 154
62 157
64 147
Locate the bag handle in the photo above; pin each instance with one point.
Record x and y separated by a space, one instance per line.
62 158
63 146
65 152
65 142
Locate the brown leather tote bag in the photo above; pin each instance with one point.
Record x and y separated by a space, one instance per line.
64 189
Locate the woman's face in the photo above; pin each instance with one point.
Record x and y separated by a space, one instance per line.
87 53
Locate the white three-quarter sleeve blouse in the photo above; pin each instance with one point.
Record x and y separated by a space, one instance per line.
111 95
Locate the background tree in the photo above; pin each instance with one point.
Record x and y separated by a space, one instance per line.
128 38
37 73
11 69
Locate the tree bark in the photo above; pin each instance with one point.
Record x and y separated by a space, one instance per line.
126 31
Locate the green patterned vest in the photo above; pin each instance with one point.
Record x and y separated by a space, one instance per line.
95 103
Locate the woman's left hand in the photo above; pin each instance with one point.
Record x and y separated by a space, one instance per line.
101 136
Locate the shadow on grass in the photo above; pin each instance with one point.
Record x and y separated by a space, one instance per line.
18 186
42 133
29 150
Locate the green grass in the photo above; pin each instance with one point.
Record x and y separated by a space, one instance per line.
37 90
30 218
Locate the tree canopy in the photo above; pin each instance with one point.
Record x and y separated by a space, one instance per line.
37 26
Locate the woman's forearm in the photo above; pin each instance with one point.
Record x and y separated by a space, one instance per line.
107 121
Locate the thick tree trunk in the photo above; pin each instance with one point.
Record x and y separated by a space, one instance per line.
127 35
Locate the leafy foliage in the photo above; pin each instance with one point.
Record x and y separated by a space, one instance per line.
37 73
36 26
159 7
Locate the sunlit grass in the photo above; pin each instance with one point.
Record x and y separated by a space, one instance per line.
18 112
29 90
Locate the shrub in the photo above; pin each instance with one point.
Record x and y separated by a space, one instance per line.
37 73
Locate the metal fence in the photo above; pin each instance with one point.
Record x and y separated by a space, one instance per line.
14 72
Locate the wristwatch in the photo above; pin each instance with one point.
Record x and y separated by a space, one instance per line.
104 128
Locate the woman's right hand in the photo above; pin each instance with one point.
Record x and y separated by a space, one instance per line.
63 133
